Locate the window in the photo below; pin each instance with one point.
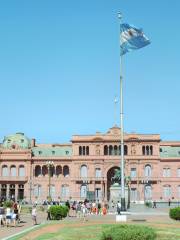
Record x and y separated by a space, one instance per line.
83 191
147 192
133 172
98 193
37 171
5 171
160 149
166 172
147 171
105 150
13 171
66 171
125 150
179 191
65 191
21 171
40 152
83 170
167 191
178 172
80 150
67 152
37 190
98 172
53 152
58 170
133 194
52 191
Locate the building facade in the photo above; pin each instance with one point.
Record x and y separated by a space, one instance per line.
84 168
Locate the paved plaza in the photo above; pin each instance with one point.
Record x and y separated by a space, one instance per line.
137 214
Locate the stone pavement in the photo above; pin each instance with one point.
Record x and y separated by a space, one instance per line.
26 223
138 213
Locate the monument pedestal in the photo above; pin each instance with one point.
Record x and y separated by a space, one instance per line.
115 193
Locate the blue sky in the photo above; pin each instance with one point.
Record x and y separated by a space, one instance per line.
59 68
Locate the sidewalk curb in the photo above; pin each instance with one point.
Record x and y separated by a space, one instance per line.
24 231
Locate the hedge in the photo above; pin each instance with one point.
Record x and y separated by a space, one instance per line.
129 232
58 212
174 213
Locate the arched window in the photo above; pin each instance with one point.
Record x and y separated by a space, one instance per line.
151 150
66 171
44 170
147 150
80 150
110 150
52 170
125 150
166 172
119 150
37 171
87 150
13 171
84 150
147 171
58 170
105 150
65 191
143 150
21 171
83 171
148 192
83 191
115 150
5 171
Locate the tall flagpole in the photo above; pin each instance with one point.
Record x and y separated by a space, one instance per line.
123 204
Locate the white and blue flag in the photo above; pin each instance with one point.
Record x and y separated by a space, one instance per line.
132 38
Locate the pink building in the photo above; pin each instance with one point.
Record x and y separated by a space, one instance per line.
84 168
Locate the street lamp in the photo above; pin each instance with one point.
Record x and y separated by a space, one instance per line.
49 165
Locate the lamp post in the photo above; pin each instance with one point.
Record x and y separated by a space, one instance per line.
49 165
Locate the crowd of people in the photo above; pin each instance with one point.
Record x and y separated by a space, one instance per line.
10 214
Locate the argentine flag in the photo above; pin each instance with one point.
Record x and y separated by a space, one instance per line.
131 38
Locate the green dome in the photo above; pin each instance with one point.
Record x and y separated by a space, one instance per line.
16 141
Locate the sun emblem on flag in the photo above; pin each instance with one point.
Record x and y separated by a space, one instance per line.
130 33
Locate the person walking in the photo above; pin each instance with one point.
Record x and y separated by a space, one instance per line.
154 204
2 215
48 212
119 208
34 215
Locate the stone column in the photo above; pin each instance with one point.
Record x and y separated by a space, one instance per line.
16 192
7 191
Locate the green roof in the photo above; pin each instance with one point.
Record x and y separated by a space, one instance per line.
169 151
58 151
15 141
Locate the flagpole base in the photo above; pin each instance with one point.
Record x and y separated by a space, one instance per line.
123 205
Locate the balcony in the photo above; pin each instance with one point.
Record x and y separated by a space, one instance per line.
13 179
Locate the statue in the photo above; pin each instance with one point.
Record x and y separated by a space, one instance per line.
117 176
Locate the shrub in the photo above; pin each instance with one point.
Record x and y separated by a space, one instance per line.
128 232
148 204
58 212
8 204
174 213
